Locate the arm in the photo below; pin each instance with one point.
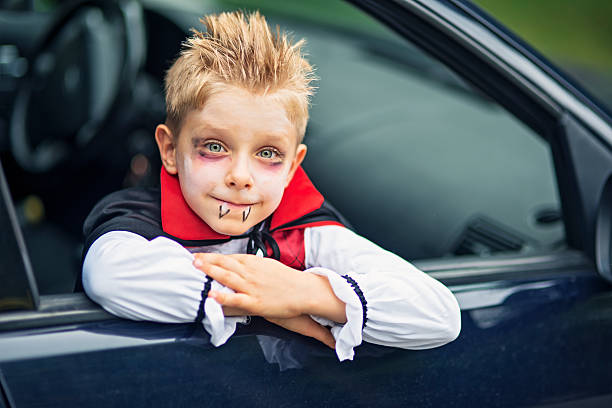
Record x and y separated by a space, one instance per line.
138 279
383 299
403 306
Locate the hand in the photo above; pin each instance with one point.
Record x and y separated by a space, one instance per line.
305 325
263 286
266 287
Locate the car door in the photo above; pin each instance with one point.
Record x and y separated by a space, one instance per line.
489 191
536 326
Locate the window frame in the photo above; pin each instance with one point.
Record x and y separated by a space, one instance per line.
23 277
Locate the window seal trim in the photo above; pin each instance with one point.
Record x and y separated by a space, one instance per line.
55 310
467 270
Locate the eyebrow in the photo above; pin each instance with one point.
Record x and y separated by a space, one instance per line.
197 141
199 138
276 140
204 133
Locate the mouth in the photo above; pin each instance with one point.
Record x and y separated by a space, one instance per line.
233 205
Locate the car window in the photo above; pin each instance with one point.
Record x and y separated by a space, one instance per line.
417 160
413 157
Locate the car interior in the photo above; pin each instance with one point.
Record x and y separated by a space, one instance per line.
416 159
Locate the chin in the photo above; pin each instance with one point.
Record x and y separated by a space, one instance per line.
226 229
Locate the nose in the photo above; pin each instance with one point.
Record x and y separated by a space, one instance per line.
239 175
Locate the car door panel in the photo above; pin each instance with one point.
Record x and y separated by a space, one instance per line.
545 337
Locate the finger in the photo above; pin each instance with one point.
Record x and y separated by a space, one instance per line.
245 259
211 258
227 262
321 333
201 258
233 300
306 326
225 277
233 311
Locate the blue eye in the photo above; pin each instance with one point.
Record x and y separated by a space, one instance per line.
267 154
270 154
214 147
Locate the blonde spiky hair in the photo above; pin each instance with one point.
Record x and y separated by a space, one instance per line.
239 50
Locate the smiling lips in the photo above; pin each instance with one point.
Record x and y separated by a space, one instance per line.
225 208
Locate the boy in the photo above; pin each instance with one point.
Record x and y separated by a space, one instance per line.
237 228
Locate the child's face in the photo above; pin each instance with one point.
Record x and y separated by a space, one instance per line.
234 158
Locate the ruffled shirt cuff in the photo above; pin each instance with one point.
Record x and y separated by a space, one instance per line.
215 323
348 335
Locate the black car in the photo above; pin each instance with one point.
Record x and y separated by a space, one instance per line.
436 132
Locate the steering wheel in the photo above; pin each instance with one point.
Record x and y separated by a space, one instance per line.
79 74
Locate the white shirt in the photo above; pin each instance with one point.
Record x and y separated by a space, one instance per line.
138 279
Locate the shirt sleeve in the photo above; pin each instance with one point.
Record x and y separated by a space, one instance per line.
138 279
388 300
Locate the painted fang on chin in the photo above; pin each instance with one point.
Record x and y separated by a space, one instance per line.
245 213
223 211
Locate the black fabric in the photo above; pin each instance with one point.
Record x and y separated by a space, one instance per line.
259 237
201 312
138 210
362 299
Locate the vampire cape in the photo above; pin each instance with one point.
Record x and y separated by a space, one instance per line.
163 212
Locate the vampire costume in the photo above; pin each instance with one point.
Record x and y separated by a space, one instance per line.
138 265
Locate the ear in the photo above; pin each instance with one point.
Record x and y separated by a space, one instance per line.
167 149
300 153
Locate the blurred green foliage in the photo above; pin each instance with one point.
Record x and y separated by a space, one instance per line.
567 31
575 35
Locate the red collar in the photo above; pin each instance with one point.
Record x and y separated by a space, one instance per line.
178 219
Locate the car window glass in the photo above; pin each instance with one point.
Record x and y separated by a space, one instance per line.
417 160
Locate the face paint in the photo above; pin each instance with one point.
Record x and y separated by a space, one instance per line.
223 210
245 214
234 158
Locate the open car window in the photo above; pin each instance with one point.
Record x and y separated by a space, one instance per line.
417 160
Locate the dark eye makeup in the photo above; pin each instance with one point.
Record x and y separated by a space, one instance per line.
271 153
